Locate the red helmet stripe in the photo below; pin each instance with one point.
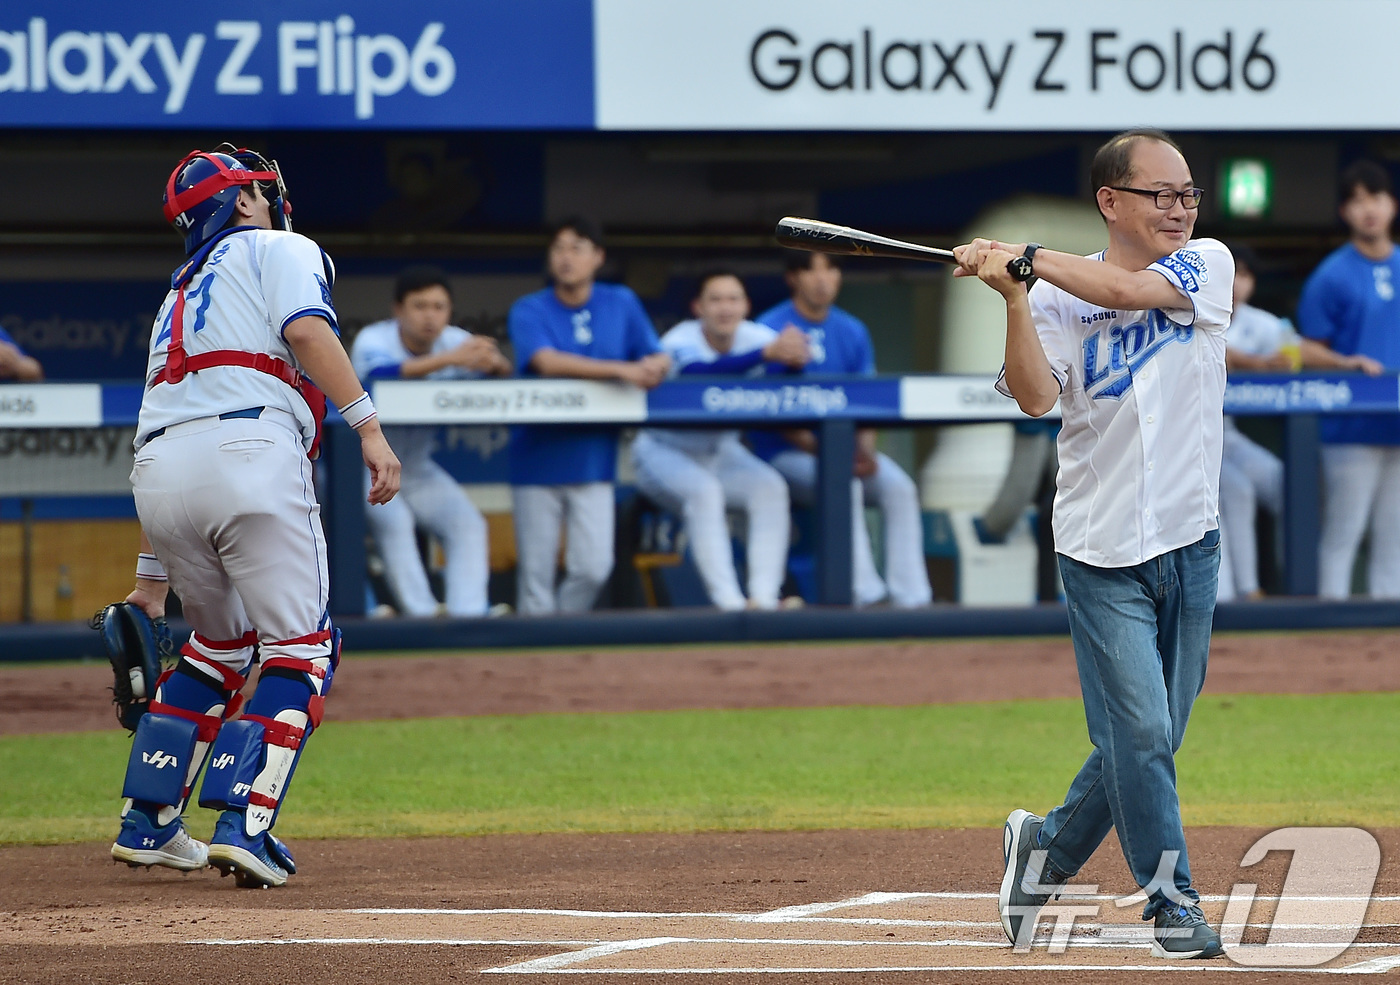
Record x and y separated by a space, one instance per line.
224 177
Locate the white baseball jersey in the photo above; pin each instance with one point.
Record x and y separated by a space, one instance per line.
1256 332
252 284
686 345
1141 397
379 346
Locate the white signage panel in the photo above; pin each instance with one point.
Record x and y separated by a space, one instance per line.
917 65
521 401
952 398
71 461
47 405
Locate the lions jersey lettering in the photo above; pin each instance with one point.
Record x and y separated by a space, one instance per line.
1130 347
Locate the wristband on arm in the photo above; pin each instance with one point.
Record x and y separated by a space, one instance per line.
358 411
149 568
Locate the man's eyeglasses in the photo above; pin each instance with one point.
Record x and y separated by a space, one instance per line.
1166 197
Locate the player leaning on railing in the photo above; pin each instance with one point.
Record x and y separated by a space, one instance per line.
223 488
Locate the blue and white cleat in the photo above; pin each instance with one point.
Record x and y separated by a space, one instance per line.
143 842
256 862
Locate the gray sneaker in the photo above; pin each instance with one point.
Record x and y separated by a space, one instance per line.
1022 894
1181 931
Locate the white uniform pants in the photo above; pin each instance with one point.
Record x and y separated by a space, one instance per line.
1250 475
431 498
539 512
897 497
699 488
230 510
1361 486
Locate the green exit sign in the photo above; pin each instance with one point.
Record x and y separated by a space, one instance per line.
1248 184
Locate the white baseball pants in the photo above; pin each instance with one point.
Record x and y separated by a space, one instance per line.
230 510
430 497
897 497
1250 475
699 489
1361 487
539 512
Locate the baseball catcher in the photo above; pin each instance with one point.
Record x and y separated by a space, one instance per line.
229 520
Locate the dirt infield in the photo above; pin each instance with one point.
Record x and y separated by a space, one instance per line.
74 697
826 907
624 908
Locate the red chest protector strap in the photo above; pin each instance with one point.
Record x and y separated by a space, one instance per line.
178 363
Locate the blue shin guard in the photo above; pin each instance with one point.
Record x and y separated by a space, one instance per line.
161 752
234 763
288 688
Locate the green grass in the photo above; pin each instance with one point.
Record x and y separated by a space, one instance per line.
1262 760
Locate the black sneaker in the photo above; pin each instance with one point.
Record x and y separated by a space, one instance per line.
1022 894
1180 931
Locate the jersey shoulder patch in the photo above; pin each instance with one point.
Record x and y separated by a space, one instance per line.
1189 268
325 291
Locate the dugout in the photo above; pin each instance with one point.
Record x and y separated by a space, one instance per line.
422 133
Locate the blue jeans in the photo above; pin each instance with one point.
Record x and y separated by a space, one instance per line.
1141 635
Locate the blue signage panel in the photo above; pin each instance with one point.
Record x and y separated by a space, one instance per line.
1334 393
83 330
411 64
799 399
719 401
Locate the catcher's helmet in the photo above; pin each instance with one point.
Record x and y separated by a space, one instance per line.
200 193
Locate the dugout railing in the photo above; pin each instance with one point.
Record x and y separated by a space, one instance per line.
832 406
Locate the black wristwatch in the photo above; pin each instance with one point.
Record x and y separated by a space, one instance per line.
1023 267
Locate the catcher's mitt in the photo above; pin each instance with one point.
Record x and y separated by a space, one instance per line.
135 645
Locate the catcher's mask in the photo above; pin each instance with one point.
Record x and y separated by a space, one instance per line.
200 193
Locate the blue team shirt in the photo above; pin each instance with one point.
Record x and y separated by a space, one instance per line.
1350 303
7 337
610 325
840 345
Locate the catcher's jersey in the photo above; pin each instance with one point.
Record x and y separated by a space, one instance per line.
378 353
690 351
1141 396
251 285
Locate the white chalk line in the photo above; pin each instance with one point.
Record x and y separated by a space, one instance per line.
448 941
561 962
1076 940
770 917
796 912
956 969
1117 936
532 911
809 909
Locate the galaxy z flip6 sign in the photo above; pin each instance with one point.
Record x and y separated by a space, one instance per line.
692 65
412 63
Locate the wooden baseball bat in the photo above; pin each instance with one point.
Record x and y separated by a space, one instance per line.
827 237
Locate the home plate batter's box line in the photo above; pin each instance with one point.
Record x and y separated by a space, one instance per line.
569 962
566 964
598 948
853 921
